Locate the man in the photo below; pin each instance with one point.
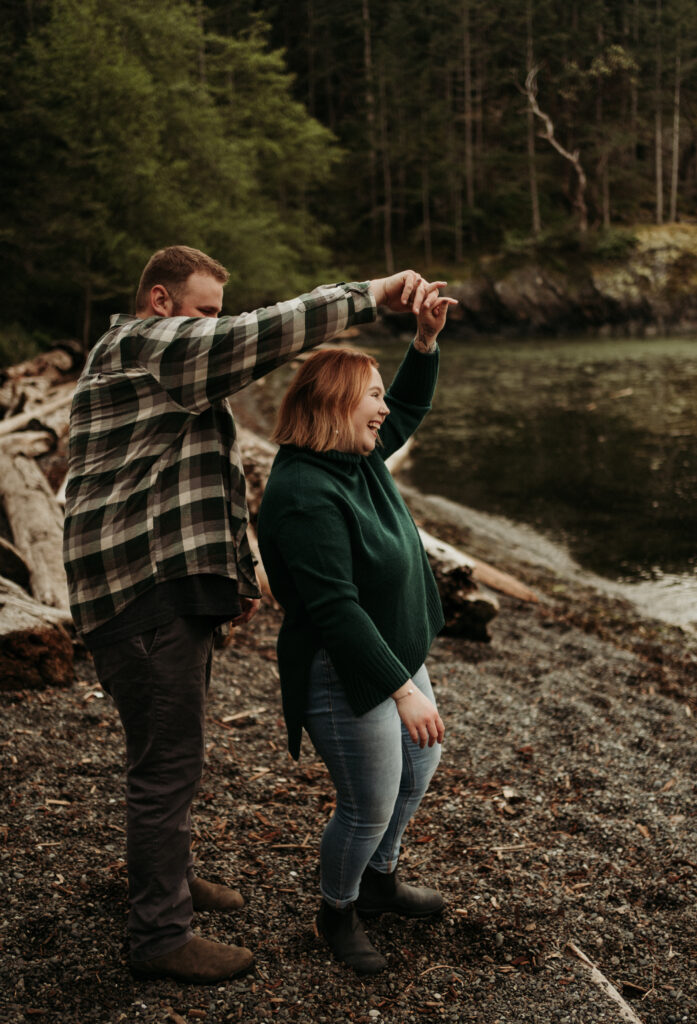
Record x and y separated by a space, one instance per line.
157 555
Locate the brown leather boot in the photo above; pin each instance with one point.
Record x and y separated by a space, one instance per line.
210 896
199 961
379 894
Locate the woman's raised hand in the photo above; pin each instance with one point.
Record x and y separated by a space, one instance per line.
431 320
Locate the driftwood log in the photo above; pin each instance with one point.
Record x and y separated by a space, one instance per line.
12 565
57 402
466 607
36 649
36 630
36 521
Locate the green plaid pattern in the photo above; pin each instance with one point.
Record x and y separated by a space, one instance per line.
155 480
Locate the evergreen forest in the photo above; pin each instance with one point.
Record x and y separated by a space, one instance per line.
304 140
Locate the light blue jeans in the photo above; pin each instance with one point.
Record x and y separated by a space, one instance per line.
380 776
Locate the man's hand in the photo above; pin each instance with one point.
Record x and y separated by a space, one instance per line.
405 292
250 606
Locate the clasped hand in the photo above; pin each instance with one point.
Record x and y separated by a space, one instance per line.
408 292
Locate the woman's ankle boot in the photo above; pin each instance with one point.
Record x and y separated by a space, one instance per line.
380 893
348 942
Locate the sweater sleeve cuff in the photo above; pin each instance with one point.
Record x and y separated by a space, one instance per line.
416 377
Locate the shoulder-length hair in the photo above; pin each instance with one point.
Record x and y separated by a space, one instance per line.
316 409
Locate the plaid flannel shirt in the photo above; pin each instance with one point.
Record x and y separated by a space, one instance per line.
156 486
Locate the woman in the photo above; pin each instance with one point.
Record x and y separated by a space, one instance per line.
344 560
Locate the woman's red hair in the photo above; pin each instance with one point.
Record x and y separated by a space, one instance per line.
316 409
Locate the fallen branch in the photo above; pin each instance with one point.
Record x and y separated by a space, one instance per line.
626 1012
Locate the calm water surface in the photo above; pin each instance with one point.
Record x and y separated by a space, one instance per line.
592 442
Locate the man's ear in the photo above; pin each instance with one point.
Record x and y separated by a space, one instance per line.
160 301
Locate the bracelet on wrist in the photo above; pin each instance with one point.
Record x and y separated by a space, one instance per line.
402 696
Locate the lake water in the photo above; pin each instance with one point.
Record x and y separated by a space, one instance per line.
591 442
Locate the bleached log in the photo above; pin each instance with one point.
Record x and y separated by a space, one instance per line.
502 582
467 608
36 649
60 493
59 401
12 565
257 456
399 458
36 521
452 559
27 442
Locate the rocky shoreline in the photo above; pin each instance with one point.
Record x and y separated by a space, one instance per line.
562 818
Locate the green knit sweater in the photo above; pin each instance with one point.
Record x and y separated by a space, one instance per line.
344 560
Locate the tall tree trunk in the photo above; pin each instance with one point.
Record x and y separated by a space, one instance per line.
369 72
467 69
327 68
202 51
676 138
479 89
386 177
311 73
532 169
426 211
658 120
634 81
452 142
87 305
603 162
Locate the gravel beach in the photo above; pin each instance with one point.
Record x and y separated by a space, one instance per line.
561 822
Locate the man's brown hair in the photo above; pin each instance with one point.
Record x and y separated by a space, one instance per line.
172 267
316 409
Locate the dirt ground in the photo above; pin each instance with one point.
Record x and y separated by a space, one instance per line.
562 819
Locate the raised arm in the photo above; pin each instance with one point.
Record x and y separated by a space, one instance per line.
410 393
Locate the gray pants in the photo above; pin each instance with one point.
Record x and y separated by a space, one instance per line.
159 681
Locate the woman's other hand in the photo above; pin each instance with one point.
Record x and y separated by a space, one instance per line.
419 715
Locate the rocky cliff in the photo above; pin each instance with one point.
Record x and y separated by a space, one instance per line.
651 290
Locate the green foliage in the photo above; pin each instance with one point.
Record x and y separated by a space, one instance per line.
565 243
133 129
610 245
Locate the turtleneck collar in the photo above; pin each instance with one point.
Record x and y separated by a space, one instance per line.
333 455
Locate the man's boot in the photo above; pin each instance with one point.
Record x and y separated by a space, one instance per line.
211 896
199 961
